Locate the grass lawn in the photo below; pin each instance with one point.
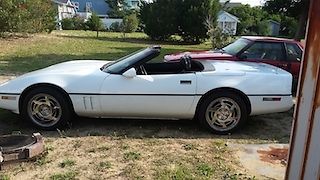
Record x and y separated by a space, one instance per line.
26 54
124 149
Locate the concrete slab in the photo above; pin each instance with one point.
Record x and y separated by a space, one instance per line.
263 160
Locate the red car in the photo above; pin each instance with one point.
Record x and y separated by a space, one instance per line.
283 53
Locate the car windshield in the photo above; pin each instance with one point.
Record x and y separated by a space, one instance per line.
235 47
123 62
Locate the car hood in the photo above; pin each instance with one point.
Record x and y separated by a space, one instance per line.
65 75
71 67
200 55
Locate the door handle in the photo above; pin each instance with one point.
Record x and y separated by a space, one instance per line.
185 82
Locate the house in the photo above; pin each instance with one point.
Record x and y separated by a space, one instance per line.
227 22
85 7
274 27
65 10
134 4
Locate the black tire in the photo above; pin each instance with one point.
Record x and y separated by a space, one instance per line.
56 99
203 116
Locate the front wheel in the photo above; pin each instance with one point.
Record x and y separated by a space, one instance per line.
223 113
46 108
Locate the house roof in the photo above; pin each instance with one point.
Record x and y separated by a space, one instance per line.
65 2
100 7
229 15
274 22
60 1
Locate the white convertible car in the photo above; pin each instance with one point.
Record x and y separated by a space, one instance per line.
219 94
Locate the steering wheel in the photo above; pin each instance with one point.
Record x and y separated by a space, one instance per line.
185 61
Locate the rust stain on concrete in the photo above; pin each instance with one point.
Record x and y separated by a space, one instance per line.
274 155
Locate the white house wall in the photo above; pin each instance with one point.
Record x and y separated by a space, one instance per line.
108 21
227 24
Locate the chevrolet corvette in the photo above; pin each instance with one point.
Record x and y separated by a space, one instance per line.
221 95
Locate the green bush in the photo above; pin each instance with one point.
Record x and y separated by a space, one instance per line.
75 23
67 24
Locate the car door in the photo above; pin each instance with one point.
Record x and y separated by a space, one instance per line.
149 96
267 52
294 56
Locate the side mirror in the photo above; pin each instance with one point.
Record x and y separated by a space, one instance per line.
131 73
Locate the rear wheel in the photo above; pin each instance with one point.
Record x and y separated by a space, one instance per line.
46 108
222 112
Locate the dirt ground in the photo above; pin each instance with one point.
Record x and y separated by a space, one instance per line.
141 149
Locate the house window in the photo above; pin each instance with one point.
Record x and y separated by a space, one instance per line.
76 5
88 6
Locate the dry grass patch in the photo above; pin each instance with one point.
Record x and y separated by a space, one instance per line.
141 159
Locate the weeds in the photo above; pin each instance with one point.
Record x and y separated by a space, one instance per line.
104 165
189 147
43 159
67 163
70 175
103 148
132 155
4 177
205 170
77 144
175 173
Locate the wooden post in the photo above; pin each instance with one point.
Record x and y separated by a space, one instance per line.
304 156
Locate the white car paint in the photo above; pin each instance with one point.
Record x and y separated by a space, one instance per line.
95 93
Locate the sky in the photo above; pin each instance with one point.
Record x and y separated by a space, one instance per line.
250 2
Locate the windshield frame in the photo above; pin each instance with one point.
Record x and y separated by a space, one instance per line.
132 60
235 53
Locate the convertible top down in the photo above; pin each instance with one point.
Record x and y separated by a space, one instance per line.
219 94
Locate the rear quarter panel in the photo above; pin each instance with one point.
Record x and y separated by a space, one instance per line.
256 85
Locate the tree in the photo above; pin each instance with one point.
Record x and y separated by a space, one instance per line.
297 9
94 23
118 8
27 16
192 17
217 37
130 23
164 18
159 19
253 20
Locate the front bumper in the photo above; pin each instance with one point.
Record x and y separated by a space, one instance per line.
10 102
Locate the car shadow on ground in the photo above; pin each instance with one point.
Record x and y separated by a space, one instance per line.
264 128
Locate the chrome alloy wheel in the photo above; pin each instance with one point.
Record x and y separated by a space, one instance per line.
223 114
44 110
